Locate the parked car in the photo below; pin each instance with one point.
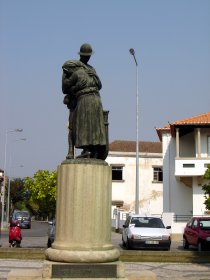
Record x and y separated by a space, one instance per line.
23 217
197 233
145 232
51 233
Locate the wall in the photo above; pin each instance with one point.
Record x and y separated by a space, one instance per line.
150 194
198 198
204 133
187 145
166 140
177 197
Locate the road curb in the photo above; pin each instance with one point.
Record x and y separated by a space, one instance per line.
167 257
22 253
125 256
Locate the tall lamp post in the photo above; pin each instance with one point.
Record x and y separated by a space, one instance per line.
132 52
4 182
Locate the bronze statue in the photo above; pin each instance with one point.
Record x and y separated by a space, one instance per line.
88 124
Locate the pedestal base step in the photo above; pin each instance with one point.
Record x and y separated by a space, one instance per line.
54 270
84 270
40 274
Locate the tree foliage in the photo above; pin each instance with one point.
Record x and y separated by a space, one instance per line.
206 188
42 189
17 193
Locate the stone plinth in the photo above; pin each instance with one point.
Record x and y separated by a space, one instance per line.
111 270
83 213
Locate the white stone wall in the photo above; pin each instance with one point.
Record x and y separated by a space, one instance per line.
150 193
198 198
178 197
166 139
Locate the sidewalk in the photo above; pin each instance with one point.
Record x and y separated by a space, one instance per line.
163 271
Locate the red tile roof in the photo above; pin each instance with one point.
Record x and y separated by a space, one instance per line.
130 146
200 120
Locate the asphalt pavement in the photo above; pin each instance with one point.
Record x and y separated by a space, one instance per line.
37 236
40 241
135 261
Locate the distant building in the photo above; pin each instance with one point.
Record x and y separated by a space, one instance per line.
170 171
122 158
186 154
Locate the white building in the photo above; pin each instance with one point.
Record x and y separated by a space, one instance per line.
170 172
122 158
186 154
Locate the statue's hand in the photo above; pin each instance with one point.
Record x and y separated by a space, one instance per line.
66 99
81 85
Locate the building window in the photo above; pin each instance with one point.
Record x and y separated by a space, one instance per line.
157 174
208 145
117 173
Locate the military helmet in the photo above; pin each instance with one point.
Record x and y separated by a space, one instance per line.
86 50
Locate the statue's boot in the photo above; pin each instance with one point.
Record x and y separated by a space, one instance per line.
70 155
85 154
94 152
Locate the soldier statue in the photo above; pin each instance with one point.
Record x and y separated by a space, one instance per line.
88 126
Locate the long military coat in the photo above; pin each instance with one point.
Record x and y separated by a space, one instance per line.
83 85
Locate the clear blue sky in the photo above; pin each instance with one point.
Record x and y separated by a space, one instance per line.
172 44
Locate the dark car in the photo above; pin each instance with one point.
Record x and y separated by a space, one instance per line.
197 233
23 217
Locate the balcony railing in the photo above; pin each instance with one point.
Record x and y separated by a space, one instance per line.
191 166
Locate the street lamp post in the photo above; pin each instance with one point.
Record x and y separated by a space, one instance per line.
132 52
4 182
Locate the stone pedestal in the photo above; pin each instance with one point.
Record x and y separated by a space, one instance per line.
83 213
82 248
111 270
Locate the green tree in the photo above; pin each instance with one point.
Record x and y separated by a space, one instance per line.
42 189
17 193
206 188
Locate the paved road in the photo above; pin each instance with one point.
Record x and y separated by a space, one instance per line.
163 271
37 238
